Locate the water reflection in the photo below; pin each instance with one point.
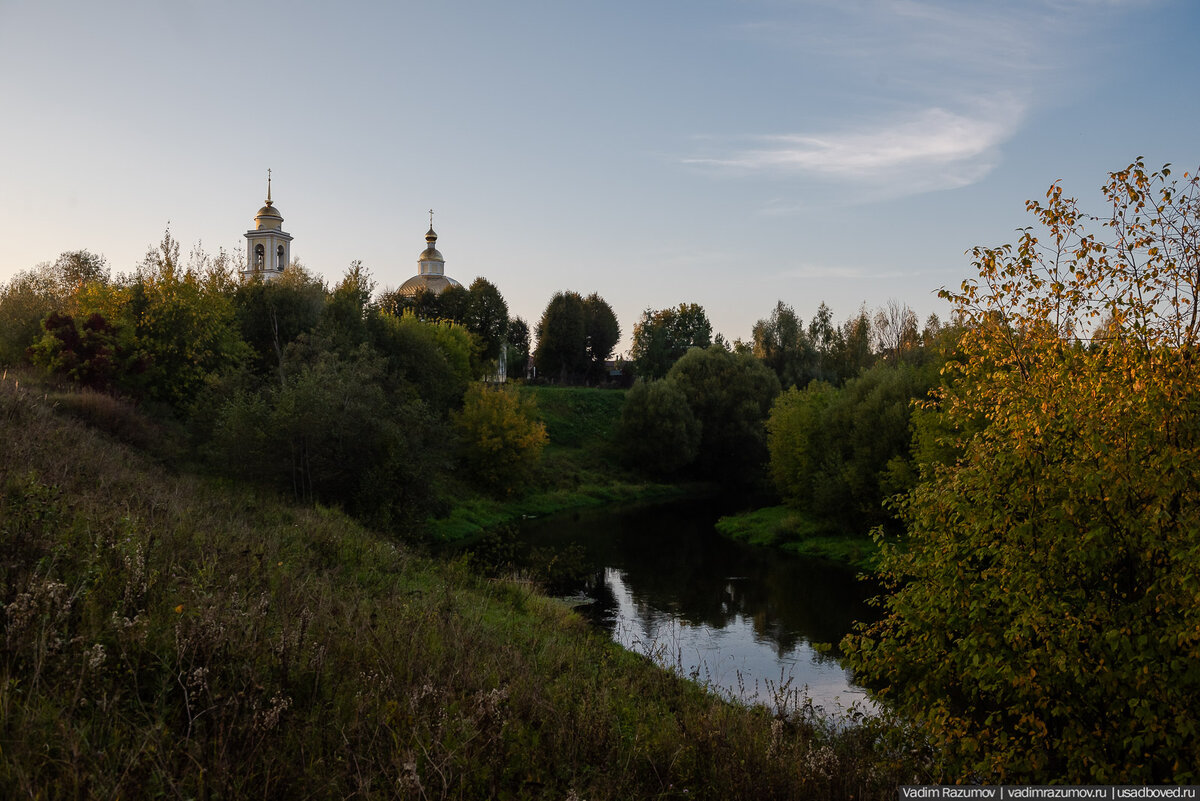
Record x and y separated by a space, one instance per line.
742 619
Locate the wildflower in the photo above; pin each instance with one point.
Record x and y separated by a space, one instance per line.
95 656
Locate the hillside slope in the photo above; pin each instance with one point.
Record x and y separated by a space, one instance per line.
168 636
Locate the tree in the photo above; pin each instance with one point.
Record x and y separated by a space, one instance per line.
518 347
602 333
486 316
575 336
333 434
839 453
25 302
658 432
92 355
427 360
348 307
795 442
896 332
730 395
273 313
853 354
184 321
780 343
31 295
1044 622
662 336
823 337
562 338
501 437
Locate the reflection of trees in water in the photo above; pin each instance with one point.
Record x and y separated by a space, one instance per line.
673 561
603 609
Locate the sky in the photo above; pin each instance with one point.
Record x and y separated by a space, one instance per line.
729 153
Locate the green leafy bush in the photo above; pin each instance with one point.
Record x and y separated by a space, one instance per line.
501 438
841 453
730 395
659 434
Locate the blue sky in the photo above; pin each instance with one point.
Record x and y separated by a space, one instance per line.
729 153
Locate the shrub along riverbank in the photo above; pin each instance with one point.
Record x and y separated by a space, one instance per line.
168 635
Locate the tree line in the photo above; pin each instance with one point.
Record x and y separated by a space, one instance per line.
262 372
820 412
328 392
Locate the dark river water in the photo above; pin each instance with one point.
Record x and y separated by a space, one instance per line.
741 619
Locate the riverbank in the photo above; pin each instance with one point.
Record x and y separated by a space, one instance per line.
791 530
472 517
581 469
169 634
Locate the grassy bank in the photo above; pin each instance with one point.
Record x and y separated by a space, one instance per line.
172 636
791 530
475 515
580 469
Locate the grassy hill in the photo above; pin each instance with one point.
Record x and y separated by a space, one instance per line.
167 635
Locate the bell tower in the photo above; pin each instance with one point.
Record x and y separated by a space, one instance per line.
268 247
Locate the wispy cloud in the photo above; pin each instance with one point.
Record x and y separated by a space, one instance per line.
913 95
935 147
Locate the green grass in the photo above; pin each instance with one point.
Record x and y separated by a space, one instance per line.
578 417
580 468
474 516
167 635
791 530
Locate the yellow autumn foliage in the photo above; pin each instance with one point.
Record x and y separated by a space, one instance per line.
501 437
1045 623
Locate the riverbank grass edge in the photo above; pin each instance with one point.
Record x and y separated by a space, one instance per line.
792 530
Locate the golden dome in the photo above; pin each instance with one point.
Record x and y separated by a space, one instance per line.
437 284
269 210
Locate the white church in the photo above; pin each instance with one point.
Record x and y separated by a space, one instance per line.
269 252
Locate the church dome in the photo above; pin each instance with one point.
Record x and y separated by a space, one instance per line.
437 284
431 268
269 218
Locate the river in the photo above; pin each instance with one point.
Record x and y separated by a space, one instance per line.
743 620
